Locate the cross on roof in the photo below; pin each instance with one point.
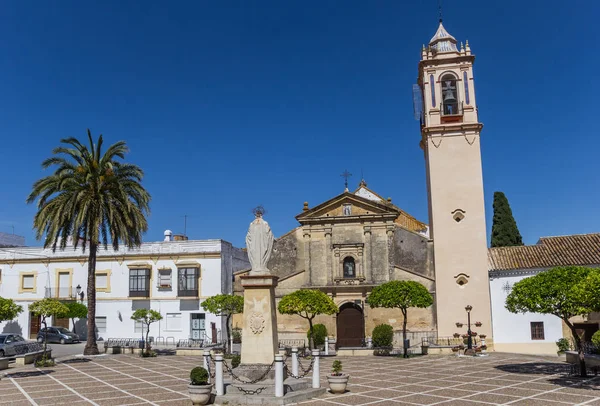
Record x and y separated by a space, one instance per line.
346 175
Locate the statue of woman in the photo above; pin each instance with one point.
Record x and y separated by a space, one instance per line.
259 242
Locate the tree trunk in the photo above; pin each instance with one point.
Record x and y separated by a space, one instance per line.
579 348
91 348
228 348
147 342
311 339
404 312
45 335
73 320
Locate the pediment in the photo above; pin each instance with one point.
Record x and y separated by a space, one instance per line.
348 206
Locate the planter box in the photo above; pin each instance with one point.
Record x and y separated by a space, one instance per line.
31 357
3 363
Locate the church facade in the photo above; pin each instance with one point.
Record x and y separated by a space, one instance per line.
356 241
344 247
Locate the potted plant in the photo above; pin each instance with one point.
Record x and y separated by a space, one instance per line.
455 349
478 324
483 347
199 388
337 380
465 336
459 324
482 336
473 333
456 335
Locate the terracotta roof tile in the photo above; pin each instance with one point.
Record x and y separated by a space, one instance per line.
581 249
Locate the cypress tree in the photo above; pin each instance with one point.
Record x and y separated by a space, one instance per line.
504 227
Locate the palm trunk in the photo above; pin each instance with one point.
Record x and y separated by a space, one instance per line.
73 320
91 348
404 312
579 348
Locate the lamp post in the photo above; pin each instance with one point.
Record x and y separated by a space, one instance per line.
469 339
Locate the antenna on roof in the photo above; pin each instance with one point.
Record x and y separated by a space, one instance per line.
185 217
440 9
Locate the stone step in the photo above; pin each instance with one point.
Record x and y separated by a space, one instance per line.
269 399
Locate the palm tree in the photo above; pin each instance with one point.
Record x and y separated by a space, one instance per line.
93 199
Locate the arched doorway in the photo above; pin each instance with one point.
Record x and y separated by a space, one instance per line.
350 326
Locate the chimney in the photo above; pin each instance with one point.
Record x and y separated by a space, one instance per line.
179 237
168 234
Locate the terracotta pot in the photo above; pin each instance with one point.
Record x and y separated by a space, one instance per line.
337 384
200 394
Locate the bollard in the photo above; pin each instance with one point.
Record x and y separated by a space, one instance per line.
326 345
295 361
278 376
316 381
219 374
369 342
206 365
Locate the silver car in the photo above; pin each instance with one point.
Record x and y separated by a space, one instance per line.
8 342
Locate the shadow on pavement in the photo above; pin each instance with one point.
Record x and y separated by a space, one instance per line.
17 375
591 382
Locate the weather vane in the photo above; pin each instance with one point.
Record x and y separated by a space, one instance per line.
440 9
346 175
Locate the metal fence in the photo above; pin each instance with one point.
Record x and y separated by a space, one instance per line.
448 341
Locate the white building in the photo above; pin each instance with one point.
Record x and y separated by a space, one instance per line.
172 277
533 333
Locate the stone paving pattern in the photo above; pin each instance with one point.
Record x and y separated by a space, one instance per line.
426 380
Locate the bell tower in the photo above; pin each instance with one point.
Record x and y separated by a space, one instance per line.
450 139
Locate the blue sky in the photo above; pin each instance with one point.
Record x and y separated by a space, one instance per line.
227 105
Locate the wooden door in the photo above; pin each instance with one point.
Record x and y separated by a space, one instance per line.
61 323
34 325
350 326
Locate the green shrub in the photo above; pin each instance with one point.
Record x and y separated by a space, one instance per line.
199 376
596 340
235 359
336 368
236 333
382 352
564 345
383 335
319 334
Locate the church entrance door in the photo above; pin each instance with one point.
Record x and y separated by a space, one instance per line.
350 326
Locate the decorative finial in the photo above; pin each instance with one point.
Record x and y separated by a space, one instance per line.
346 175
305 208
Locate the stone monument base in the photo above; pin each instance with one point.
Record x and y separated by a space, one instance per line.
252 372
263 393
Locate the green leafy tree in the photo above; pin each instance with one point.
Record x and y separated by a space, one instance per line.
9 309
505 232
308 304
48 308
93 198
146 317
225 306
564 292
76 311
400 295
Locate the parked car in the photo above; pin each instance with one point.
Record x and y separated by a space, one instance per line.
8 343
58 335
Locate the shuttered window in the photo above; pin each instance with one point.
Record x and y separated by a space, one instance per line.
537 330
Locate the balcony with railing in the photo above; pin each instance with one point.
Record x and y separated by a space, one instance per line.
451 112
61 293
187 292
139 293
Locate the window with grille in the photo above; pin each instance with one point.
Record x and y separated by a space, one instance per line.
188 282
101 324
138 327
139 282
164 278
537 330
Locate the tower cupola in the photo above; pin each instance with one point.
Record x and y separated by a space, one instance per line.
442 41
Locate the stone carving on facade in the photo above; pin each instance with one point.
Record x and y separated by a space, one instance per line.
259 242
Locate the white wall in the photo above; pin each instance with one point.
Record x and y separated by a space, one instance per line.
512 332
116 305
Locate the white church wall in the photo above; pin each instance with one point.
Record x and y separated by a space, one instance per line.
512 332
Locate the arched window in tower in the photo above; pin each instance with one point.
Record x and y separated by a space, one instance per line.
349 267
449 95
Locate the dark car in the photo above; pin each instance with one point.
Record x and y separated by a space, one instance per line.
57 335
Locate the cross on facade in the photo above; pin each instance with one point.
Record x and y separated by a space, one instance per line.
346 175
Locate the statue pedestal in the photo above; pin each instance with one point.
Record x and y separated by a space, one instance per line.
259 333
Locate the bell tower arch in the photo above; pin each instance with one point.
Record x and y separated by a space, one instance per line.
450 139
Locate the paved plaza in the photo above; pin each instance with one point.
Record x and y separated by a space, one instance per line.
425 380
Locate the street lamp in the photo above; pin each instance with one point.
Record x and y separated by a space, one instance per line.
468 308
79 292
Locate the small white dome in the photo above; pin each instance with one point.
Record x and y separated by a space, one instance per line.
168 232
